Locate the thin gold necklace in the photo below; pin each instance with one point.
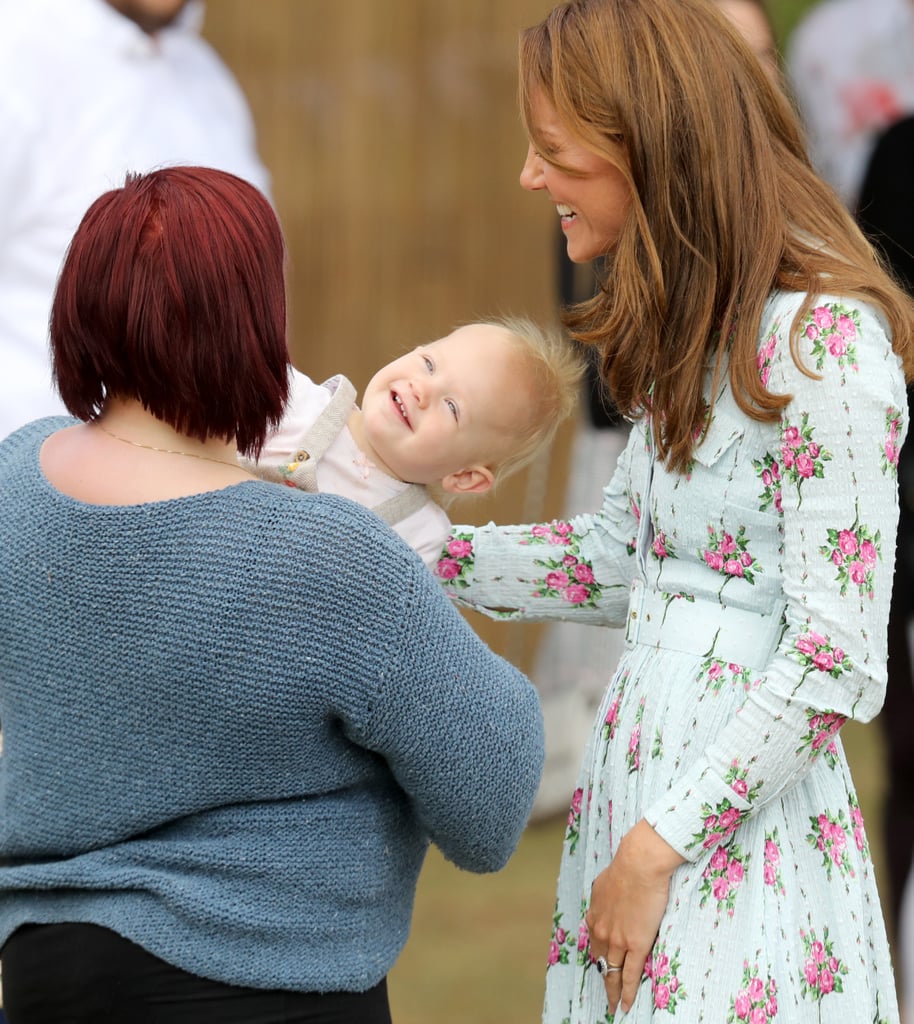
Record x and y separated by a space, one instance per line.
168 451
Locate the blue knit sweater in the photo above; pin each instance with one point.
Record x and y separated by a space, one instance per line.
233 721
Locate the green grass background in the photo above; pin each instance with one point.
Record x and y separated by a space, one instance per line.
478 946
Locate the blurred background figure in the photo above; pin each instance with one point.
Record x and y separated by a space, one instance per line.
886 214
851 69
886 208
90 89
570 669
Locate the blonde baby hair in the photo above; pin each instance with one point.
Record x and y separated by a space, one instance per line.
556 369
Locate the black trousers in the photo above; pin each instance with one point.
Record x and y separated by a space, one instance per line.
81 973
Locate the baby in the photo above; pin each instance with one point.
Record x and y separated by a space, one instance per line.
451 417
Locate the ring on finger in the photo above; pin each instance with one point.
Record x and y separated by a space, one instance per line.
605 967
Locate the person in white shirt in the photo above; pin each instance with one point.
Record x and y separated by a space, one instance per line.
851 70
91 89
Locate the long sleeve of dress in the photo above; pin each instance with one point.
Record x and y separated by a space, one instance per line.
831 474
579 570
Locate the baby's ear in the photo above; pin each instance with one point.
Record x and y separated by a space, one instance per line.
473 480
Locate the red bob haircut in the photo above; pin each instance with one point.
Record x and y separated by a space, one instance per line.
172 292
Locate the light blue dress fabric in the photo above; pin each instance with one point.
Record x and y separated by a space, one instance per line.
755 591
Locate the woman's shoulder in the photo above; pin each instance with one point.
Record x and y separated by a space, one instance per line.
31 435
825 339
337 526
823 310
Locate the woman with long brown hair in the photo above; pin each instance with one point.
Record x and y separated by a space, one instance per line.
715 865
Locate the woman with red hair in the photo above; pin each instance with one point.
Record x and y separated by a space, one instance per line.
229 708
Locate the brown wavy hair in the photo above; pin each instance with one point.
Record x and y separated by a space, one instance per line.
725 206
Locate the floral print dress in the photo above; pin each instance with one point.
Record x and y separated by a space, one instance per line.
762 579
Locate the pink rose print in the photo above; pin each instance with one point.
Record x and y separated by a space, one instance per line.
448 569
772 866
573 831
718 824
576 593
568 577
891 443
820 737
721 879
631 546
550 533
816 653
769 472
583 956
832 329
860 840
719 672
661 549
729 556
562 943
611 722
829 836
736 778
756 1001
663 972
633 756
456 561
854 552
802 457
766 355
583 937
822 971
583 572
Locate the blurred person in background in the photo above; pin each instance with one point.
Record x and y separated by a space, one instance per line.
90 89
886 214
850 64
753 19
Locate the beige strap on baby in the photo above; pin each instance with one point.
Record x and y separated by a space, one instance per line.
301 469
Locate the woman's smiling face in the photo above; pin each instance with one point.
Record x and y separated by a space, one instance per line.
591 194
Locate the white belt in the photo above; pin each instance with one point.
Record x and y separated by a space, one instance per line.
674 622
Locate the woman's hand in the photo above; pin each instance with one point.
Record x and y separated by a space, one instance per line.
627 902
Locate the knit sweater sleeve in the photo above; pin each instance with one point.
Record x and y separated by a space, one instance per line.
460 728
